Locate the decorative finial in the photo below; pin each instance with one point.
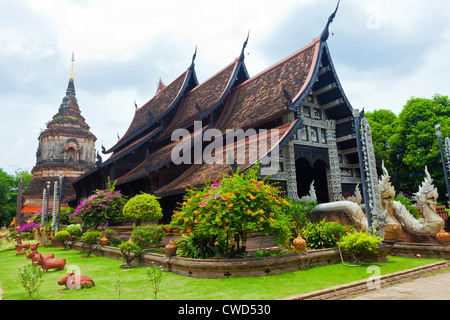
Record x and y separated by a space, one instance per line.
193 58
242 56
71 72
325 32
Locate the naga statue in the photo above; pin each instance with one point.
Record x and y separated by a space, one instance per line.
426 200
397 217
387 193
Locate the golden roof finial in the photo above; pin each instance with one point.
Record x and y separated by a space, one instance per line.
71 71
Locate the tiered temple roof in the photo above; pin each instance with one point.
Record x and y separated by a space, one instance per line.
230 99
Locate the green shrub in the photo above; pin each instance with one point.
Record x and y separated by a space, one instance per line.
360 243
323 234
143 207
30 276
62 235
74 230
148 236
113 237
195 246
298 212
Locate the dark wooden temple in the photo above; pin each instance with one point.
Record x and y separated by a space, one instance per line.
300 98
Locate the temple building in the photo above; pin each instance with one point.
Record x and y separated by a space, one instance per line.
67 148
296 123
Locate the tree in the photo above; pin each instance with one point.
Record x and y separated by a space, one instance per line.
143 207
8 193
382 123
408 142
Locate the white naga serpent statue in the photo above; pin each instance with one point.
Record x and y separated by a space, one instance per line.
398 216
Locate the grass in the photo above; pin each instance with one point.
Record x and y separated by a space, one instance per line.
134 283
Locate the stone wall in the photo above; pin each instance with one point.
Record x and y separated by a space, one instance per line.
223 268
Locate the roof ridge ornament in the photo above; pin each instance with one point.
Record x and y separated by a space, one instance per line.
242 56
193 59
325 32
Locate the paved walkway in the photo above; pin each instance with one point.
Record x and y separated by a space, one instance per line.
434 287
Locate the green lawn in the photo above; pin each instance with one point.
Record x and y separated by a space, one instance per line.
135 285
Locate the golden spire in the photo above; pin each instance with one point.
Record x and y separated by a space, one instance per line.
71 71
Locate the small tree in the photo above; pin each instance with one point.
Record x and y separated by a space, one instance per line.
91 238
129 251
154 274
143 207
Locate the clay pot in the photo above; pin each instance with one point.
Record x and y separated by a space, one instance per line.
443 236
299 243
104 241
171 248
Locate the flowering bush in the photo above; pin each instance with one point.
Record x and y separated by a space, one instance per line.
105 206
233 207
30 276
28 227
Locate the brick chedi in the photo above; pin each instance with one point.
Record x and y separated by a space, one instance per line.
65 146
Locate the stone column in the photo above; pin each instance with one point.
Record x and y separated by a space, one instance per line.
289 169
334 180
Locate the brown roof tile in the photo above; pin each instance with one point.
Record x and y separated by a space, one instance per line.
156 106
196 174
203 97
260 98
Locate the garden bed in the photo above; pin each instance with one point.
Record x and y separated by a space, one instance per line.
223 268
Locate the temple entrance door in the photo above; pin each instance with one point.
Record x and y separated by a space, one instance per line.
304 176
320 181
307 173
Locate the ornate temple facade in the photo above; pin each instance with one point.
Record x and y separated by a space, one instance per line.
297 107
67 148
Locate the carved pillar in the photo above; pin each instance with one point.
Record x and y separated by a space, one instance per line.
289 169
378 217
334 180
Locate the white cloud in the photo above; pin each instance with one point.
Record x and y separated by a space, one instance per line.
384 52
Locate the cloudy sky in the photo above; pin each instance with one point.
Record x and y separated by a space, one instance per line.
385 51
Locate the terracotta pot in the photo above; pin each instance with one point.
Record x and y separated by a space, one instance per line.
443 236
104 241
299 243
171 248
